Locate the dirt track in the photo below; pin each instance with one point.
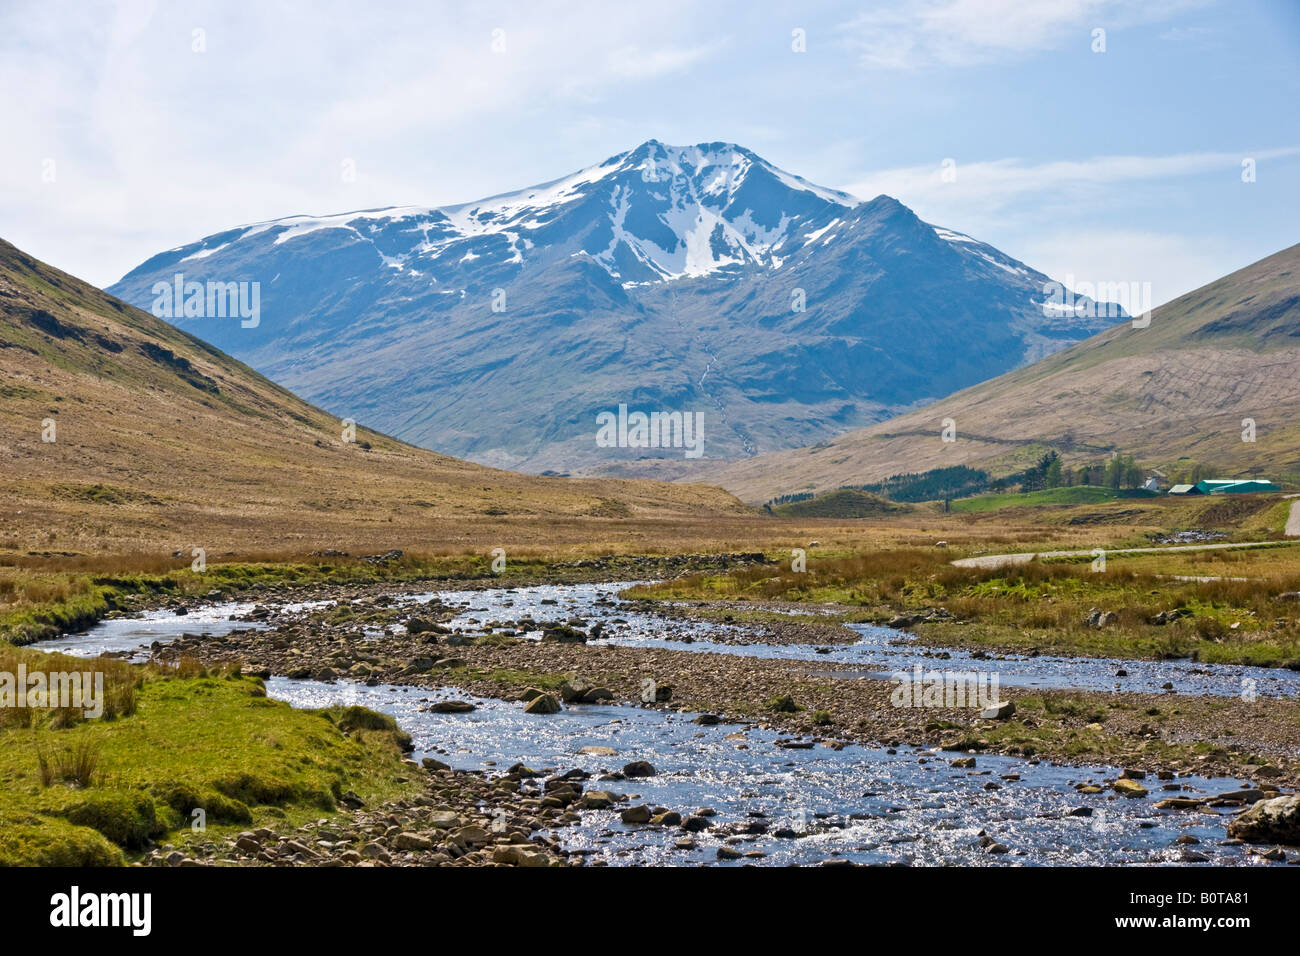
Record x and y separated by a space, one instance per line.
1024 557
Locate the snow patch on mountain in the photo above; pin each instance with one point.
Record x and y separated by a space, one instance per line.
670 211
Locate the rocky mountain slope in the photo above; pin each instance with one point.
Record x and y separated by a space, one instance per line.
696 279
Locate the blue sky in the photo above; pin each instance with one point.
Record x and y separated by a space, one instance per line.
121 139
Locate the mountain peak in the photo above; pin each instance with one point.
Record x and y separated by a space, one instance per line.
695 277
655 213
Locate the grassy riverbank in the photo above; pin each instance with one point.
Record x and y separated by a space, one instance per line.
1048 605
41 603
77 792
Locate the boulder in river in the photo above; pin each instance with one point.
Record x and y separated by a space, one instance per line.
572 691
542 704
1269 821
1129 788
1178 803
637 814
451 707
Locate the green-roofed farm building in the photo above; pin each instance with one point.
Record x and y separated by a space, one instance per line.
1235 486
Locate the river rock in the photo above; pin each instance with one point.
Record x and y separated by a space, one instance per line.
543 704
1178 803
419 665
412 841
635 815
572 691
1239 796
1269 821
1002 710
451 707
470 836
520 856
638 768
1129 788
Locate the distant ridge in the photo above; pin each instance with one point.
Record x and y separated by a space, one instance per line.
1182 389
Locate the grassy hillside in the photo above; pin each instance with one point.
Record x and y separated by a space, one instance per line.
163 444
841 503
1051 496
1177 390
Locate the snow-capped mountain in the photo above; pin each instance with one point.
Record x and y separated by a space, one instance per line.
667 278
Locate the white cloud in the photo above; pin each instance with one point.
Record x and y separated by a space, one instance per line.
985 189
922 33
634 62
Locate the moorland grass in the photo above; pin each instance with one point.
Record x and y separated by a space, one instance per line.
40 604
96 792
1043 605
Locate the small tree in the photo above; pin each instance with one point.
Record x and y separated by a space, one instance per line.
1053 475
1132 473
1115 473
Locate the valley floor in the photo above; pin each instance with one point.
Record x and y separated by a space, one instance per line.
786 664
